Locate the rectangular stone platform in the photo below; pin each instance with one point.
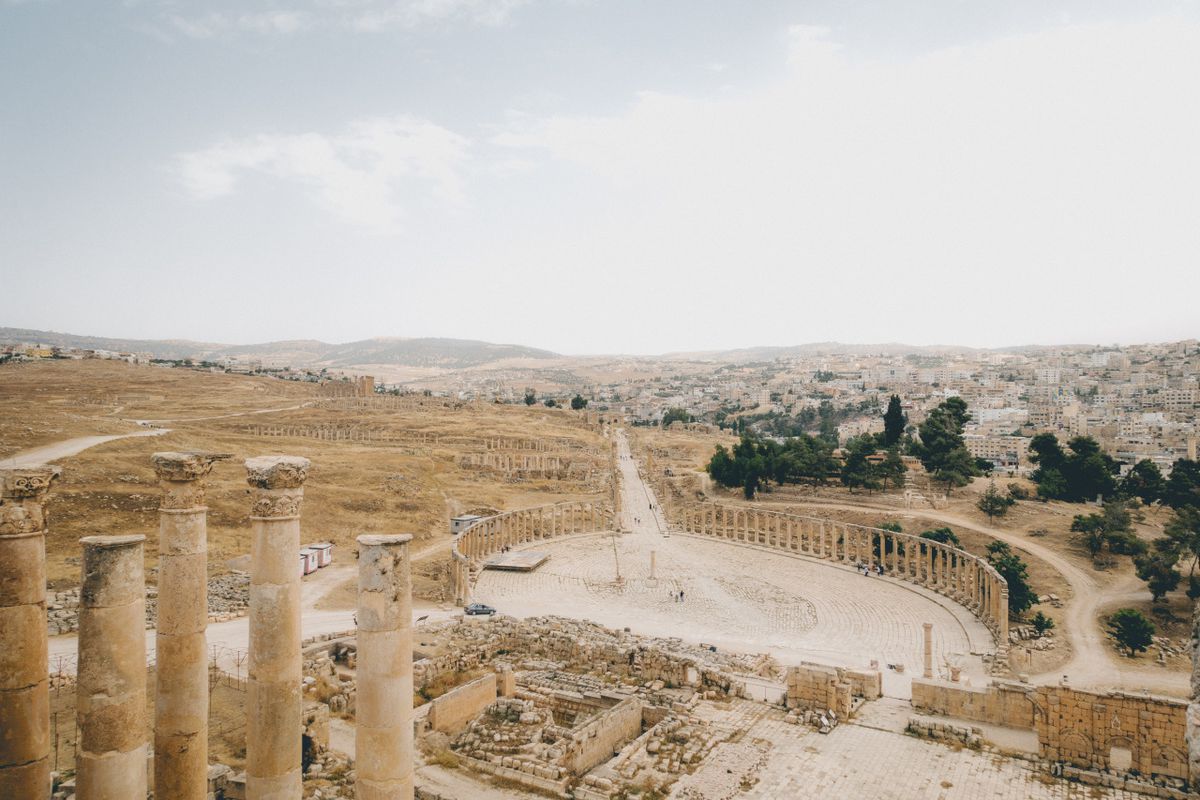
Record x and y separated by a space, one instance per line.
522 561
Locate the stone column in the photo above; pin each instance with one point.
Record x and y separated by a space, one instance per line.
383 736
928 626
1193 709
24 667
110 699
181 650
652 557
273 706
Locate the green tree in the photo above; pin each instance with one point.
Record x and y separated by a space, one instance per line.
1112 528
1014 570
941 449
943 535
858 471
1042 623
894 422
676 415
578 402
1145 482
1132 630
892 469
1083 474
1158 571
993 503
1183 487
530 397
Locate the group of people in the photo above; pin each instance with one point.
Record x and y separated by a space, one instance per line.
677 596
869 569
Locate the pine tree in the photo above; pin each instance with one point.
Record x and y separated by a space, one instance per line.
894 422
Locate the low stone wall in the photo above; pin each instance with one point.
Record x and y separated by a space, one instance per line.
1001 703
228 597
600 738
451 712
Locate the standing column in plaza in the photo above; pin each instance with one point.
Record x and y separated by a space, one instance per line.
273 689
110 699
928 626
652 556
24 668
181 651
383 738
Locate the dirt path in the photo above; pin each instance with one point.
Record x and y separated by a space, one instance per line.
219 416
49 453
1092 664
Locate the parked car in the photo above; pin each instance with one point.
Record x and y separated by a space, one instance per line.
479 608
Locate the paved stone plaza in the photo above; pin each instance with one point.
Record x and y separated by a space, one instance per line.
773 759
738 597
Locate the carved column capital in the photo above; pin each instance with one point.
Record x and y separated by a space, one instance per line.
28 483
182 476
279 485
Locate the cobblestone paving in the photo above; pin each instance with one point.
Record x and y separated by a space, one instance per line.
734 597
773 760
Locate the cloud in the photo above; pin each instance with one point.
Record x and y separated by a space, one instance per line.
356 15
222 24
370 175
1073 145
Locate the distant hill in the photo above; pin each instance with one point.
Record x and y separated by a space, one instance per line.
422 352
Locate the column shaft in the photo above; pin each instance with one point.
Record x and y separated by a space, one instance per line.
181 650
383 738
273 702
24 667
110 701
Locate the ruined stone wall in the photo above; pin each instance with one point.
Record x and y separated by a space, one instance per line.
1000 703
514 528
1083 729
595 742
451 712
816 688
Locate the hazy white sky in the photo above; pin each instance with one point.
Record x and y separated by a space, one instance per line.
605 176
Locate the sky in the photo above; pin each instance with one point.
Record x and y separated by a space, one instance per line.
602 176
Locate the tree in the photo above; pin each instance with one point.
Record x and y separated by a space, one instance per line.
676 415
943 535
993 503
550 402
1132 630
1042 623
1083 474
894 422
1145 482
893 468
1014 570
1113 527
1159 573
578 402
530 397
941 449
1183 488
858 471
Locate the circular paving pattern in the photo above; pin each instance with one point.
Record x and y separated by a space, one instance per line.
737 598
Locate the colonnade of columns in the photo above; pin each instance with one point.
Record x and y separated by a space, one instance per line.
111 673
515 528
967 579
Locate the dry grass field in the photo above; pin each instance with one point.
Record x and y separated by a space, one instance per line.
353 487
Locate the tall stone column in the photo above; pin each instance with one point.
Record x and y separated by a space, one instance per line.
273 707
24 668
383 738
652 558
181 650
928 626
110 700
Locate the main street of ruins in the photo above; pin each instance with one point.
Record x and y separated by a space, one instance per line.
654 637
